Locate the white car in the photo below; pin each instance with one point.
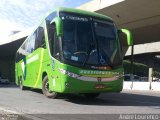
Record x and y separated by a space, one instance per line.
4 80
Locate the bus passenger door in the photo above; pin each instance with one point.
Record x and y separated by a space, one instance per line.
54 48
31 60
40 49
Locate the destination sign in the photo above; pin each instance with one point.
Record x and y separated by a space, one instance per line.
77 18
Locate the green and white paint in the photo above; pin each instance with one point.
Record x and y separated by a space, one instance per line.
34 66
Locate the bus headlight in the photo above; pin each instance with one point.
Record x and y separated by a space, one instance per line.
68 73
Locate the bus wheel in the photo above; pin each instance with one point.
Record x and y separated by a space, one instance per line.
91 95
45 89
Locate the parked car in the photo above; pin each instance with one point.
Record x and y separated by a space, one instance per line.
135 77
144 79
4 80
156 79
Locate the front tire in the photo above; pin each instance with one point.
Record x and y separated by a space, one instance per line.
45 89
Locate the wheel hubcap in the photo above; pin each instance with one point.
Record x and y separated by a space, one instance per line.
47 86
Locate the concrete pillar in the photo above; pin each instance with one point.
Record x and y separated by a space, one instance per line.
150 77
150 74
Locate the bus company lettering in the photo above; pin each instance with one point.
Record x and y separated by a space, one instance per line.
98 72
32 59
77 18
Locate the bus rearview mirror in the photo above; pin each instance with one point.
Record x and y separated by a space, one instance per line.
125 37
126 40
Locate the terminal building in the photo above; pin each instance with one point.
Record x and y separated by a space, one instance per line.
142 17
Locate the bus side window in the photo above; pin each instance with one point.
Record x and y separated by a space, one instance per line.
23 49
31 43
53 41
40 40
18 56
56 46
51 31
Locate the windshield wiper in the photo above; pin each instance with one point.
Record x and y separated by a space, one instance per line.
91 47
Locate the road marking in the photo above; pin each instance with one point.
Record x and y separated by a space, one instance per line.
29 116
10 111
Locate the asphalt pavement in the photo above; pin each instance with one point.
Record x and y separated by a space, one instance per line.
35 104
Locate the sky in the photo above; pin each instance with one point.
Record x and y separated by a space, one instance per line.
18 15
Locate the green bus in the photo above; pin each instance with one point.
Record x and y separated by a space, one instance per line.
72 51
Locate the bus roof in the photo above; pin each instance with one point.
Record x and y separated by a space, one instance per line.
73 10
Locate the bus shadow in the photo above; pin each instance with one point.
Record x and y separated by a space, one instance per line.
111 99
117 99
35 90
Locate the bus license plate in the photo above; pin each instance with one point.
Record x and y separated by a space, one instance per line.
100 86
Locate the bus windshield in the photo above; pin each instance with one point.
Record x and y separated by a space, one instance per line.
89 41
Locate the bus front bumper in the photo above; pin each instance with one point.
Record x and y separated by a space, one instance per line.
71 85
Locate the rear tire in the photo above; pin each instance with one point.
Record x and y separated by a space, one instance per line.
91 95
45 89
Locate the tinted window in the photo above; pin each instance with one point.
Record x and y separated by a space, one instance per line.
40 39
76 41
53 40
22 51
31 43
109 50
89 41
18 56
51 31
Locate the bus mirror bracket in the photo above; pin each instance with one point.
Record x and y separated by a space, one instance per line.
59 26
